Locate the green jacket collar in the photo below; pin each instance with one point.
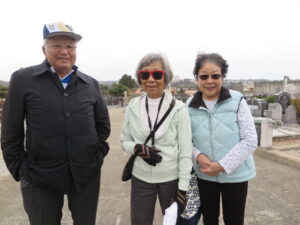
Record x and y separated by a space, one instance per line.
136 102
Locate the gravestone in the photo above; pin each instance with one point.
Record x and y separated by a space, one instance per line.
254 110
264 105
276 111
257 107
290 116
249 102
283 99
267 113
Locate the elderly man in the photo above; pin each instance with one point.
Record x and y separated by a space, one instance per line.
67 124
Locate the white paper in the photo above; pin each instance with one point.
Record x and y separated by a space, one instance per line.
170 216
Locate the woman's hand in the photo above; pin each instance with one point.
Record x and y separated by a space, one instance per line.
208 167
212 169
148 154
203 161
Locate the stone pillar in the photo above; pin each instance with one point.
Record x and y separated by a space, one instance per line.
266 137
264 129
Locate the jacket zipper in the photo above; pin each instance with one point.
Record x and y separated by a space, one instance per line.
211 141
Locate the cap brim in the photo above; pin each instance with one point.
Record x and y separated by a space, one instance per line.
74 36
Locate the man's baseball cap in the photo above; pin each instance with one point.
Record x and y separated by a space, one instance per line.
59 29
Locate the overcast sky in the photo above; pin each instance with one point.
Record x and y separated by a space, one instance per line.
259 38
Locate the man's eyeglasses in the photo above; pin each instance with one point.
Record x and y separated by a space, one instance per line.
145 75
213 76
58 47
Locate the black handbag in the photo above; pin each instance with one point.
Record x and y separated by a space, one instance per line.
127 171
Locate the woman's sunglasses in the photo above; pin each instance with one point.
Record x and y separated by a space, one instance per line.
157 75
205 77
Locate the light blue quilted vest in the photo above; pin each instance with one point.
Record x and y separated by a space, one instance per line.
215 133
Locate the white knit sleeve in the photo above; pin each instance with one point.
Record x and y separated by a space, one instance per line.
247 144
195 153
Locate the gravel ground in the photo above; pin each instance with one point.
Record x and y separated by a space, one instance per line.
273 196
294 152
3 169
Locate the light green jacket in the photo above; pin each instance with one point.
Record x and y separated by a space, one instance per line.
175 143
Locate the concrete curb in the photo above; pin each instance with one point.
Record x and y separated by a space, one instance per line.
279 155
284 137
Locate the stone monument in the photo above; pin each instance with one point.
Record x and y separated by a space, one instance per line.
257 107
283 98
276 111
290 116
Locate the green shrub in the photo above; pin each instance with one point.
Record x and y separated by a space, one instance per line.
270 99
296 103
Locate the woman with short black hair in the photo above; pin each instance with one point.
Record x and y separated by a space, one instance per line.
224 138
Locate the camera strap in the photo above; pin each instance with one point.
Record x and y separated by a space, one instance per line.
155 128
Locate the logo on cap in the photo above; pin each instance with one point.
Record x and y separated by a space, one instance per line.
51 26
59 29
69 27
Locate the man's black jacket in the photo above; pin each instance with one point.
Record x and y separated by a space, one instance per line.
66 129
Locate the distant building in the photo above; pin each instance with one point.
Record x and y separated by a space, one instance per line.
261 87
190 92
176 78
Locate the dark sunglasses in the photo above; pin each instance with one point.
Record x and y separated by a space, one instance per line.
205 77
157 75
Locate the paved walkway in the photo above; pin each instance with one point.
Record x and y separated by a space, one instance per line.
274 195
285 130
286 146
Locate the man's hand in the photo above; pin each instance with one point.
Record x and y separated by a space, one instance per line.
148 154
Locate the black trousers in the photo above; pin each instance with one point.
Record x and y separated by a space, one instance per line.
44 207
143 199
233 201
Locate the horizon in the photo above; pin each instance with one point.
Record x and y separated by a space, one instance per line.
174 81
